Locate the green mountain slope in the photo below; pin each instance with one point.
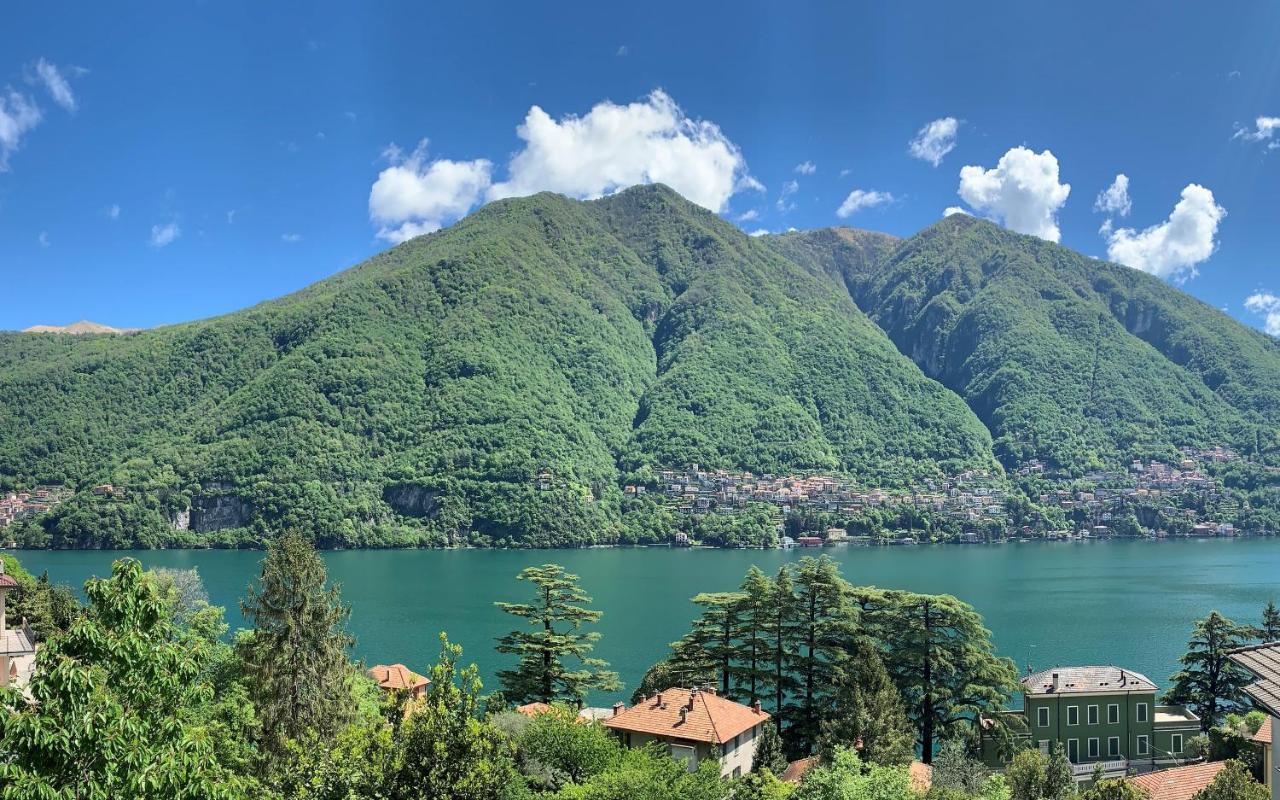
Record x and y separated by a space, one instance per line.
494 381
1066 358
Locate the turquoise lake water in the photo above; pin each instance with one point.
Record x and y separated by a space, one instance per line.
1128 603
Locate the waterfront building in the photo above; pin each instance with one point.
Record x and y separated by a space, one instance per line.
694 725
1099 715
1263 660
17 645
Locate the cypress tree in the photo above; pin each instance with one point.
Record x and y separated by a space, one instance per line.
297 659
556 616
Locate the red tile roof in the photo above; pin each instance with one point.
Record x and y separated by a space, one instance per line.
796 769
7 581
707 716
1263 736
1179 783
397 676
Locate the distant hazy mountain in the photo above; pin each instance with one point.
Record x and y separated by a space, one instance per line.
83 326
501 380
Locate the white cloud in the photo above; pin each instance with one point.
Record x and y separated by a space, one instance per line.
1172 248
56 83
950 210
43 238
935 140
291 238
164 235
1115 198
749 215
18 115
1263 131
785 203
859 199
622 51
112 211
231 216
412 196
1267 304
759 232
806 168
1022 192
613 146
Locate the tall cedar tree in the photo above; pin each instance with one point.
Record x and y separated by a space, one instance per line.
782 653
940 657
712 644
822 630
867 714
1209 683
753 650
296 661
110 713
556 615
1269 631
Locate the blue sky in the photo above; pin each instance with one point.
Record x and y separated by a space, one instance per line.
186 160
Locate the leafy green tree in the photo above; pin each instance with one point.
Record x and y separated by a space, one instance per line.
769 753
296 661
1032 775
1233 783
954 769
867 714
1058 782
444 752
649 773
764 785
562 746
1208 682
557 614
941 658
1114 789
845 777
108 719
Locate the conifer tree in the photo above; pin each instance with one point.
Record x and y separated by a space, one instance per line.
296 661
556 616
822 629
712 644
769 754
779 629
1209 683
753 651
1269 631
867 714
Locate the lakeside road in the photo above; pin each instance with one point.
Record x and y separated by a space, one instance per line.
1129 603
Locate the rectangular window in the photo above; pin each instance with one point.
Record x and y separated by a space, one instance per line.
1142 712
1073 715
1073 751
1113 746
1142 745
1175 744
1042 716
1093 715
1093 748
1113 714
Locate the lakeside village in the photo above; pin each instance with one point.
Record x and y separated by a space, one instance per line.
1171 500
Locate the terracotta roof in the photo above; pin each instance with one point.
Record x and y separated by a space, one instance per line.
707 718
796 769
1263 736
396 676
7 581
1087 679
1179 783
1263 660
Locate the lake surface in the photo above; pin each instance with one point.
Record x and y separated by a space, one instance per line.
1128 603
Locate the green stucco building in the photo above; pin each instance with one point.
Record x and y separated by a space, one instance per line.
1106 715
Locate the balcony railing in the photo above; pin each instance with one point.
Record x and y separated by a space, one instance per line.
1108 767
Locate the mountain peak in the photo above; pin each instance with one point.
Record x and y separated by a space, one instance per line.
79 327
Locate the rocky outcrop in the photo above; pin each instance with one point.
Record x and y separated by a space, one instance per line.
217 507
411 499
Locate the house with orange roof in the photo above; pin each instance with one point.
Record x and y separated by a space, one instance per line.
399 678
694 725
1179 783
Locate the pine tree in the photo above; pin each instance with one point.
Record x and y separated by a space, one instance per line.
779 628
867 714
1209 683
822 629
769 754
940 657
1270 630
296 661
557 614
754 615
713 641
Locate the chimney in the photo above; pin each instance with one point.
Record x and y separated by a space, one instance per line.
711 690
617 708
684 714
1124 679
692 695
755 706
1055 681
657 698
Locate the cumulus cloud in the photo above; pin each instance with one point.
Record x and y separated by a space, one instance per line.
785 203
18 115
1173 248
164 235
56 83
612 147
806 168
954 210
1264 128
290 238
1115 198
1022 192
414 196
859 199
112 211
748 215
759 232
43 238
1268 305
935 140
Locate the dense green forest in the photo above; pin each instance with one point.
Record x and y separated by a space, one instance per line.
497 382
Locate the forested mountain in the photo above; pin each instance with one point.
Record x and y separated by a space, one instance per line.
1066 358
419 397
